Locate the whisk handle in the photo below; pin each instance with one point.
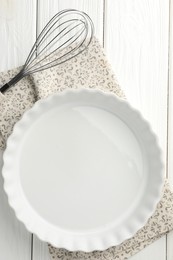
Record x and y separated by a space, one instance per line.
4 88
13 81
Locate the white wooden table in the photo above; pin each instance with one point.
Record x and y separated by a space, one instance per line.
137 37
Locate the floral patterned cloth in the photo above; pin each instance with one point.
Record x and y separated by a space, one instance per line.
91 70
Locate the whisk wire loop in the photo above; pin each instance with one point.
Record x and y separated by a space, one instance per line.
78 34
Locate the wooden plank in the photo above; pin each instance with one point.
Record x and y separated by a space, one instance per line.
46 9
17 34
136 43
17 31
15 240
170 125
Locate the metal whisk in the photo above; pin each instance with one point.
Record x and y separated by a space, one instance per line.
65 36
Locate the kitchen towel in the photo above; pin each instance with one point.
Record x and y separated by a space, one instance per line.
90 69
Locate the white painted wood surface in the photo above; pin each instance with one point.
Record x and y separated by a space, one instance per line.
135 35
17 31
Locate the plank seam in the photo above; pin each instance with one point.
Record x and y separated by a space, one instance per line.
168 106
37 8
104 19
168 88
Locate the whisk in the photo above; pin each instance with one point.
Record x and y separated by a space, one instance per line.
65 36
